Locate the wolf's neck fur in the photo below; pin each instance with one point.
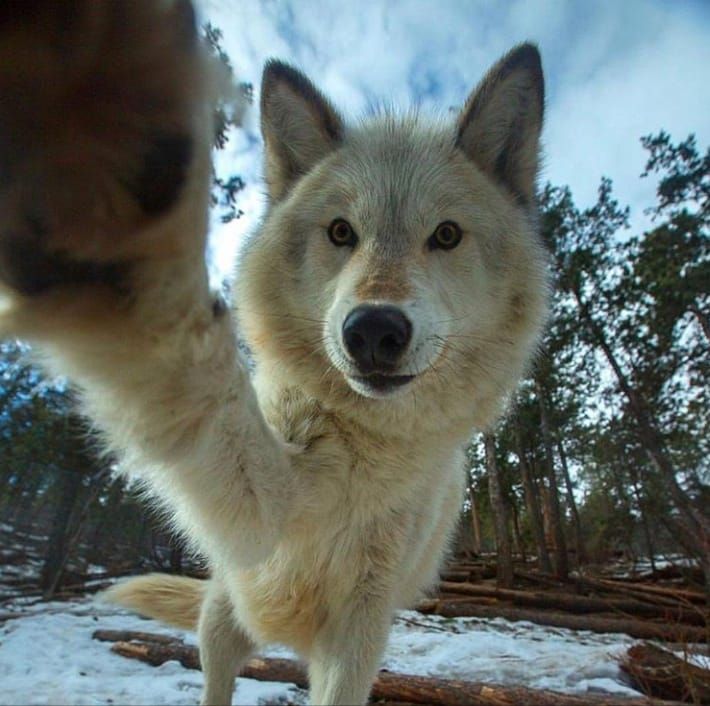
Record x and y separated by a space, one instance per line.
283 394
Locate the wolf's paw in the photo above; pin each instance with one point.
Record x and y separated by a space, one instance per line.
103 113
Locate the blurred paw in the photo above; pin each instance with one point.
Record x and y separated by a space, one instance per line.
98 105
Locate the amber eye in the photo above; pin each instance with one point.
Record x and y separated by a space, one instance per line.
341 233
446 236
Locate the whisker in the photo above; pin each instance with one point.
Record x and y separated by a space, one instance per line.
469 352
448 321
482 339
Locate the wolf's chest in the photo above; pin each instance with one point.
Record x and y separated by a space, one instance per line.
365 508
289 598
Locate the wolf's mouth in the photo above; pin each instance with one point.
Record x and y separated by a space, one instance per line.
383 383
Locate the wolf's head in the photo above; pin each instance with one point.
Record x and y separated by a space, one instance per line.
398 264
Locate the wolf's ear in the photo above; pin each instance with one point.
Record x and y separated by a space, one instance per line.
499 127
298 123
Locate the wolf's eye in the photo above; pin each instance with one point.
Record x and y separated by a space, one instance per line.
446 236
341 233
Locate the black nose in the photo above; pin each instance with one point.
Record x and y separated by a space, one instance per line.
376 336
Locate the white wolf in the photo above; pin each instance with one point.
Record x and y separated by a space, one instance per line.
392 298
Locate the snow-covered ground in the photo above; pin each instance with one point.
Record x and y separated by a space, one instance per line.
47 656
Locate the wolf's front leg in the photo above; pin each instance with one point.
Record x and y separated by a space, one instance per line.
105 136
348 651
224 645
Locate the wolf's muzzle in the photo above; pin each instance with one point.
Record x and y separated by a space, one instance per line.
376 336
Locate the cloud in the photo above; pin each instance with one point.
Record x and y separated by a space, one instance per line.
614 72
645 79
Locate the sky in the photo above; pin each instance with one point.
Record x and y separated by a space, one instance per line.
614 71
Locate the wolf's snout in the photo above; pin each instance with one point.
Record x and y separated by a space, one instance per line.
375 337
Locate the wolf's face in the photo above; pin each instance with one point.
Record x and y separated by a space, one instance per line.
398 256
398 246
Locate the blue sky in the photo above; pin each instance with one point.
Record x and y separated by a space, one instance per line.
614 71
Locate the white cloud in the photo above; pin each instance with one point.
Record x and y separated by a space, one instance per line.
614 71
601 108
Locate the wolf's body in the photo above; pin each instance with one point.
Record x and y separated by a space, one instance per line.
324 490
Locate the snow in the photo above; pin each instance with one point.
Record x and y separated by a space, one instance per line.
509 653
695 658
28 570
47 656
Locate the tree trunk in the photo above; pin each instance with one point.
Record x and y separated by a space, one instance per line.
643 512
571 502
561 562
531 500
519 544
26 498
475 524
58 544
500 515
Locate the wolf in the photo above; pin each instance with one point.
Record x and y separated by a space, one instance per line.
392 298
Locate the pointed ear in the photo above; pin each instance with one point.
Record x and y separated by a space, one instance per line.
299 125
499 127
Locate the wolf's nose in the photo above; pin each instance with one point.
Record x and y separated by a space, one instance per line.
376 336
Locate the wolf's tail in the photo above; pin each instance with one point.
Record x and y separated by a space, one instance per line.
174 600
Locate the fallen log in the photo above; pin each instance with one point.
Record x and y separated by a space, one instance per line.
157 653
388 686
660 673
628 591
644 630
477 571
459 598
667 573
693 615
643 590
538 578
455 575
128 635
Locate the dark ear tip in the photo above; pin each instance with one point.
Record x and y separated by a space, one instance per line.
524 56
276 70
279 72
527 51
274 66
